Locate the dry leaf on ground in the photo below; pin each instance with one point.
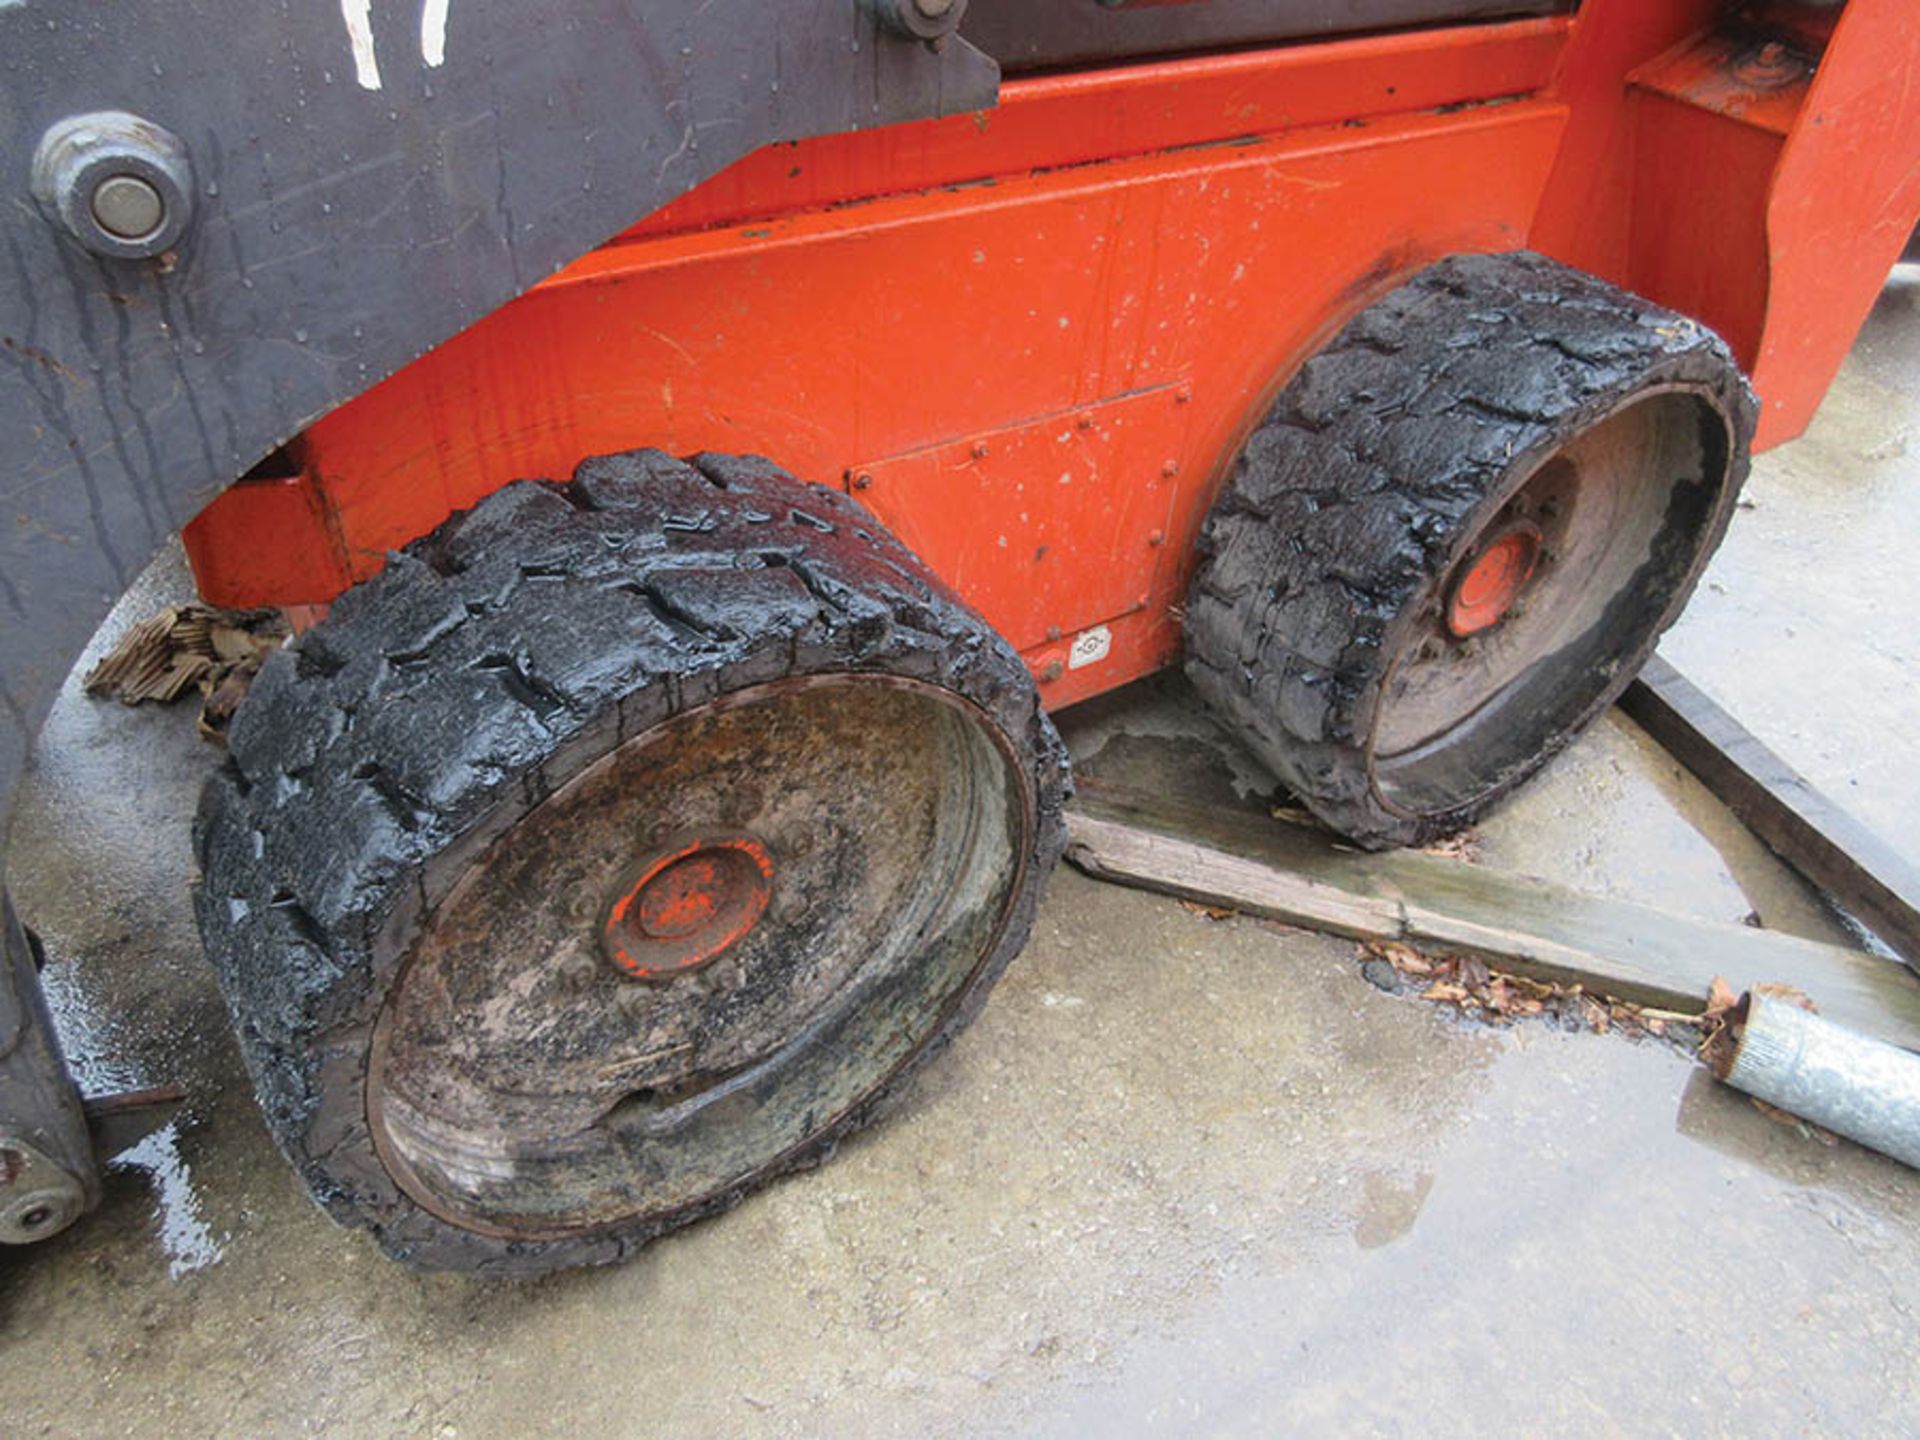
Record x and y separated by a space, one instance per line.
1792 995
1211 912
1498 997
1720 998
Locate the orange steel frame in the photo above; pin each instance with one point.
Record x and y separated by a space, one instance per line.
1032 339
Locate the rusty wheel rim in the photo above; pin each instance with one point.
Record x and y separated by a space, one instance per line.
714 943
1585 557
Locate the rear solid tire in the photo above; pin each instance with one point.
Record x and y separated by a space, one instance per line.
451 720
1488 397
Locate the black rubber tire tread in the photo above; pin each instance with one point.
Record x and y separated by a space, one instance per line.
1376 464
486 664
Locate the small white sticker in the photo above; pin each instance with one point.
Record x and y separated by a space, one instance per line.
1089 646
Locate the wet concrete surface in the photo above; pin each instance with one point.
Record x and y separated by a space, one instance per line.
1184 1175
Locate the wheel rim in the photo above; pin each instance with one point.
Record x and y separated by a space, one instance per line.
710 946
1585 558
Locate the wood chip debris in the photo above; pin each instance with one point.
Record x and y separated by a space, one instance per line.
1297 815
191 648
1462 845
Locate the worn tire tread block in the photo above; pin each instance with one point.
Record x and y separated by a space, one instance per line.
490 659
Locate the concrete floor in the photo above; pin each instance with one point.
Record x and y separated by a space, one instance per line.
1183 1175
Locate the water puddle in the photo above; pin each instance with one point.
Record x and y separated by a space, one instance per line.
100 1067
179 1226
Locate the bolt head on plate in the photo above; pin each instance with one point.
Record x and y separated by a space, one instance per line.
120 185
929 20
37 1198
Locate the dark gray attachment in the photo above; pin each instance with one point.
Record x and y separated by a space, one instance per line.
365 180
228 221
47 1173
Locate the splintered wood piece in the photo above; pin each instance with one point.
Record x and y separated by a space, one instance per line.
1525 925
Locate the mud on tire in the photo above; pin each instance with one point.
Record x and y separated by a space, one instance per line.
1498 424
454 716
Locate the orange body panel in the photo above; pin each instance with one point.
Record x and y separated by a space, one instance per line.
1098 480
1844 200
1032 339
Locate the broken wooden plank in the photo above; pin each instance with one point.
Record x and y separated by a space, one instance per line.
1802 826
1518 923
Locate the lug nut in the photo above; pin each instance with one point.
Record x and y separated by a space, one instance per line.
577 973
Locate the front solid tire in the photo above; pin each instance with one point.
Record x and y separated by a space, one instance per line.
622 845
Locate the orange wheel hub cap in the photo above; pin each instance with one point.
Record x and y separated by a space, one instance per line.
1486 590
688 906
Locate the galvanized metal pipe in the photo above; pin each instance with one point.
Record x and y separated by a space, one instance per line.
1853 1086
